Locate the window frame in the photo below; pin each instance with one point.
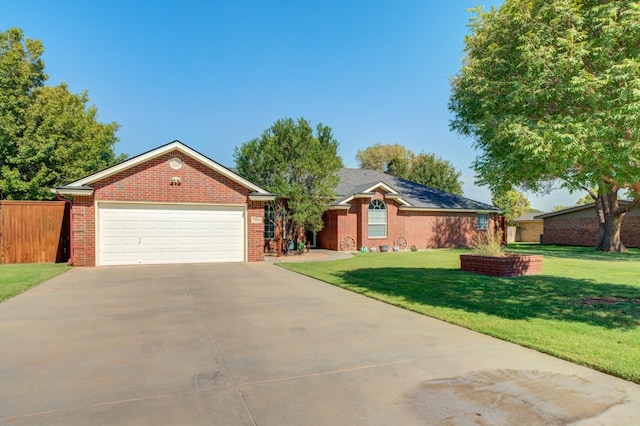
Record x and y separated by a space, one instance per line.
377 205
482 221
269 231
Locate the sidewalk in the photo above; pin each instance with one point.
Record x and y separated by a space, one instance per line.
314 255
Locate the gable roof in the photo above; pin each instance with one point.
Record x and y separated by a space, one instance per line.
569 210
529 217
356 183
83 185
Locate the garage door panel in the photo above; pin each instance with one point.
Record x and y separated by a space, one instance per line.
203 240
134 234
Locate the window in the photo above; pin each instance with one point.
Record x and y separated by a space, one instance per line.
269 222
483 222
377 219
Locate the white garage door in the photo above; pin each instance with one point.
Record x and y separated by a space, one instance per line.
131 234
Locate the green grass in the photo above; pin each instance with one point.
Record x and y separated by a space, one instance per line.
585 307
15 279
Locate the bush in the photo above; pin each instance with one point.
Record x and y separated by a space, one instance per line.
488 244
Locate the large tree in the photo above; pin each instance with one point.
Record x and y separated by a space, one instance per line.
48 135
433 171
393 159
549 91
426 169
299 166
513 203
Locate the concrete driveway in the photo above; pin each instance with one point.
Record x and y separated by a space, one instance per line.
234 344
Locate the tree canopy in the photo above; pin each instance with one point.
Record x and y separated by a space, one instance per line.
426 169
295 164
48 135
587 199
549 91
513 203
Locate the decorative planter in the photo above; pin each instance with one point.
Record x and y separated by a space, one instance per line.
384 248
509 265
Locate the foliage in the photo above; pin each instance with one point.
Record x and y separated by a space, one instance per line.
18 278
487 244
429 170
392 159
581 296
513 203
557 208
48 135
550 90
426 169
297 165
587 199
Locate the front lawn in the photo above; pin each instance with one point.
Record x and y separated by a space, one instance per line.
15 279
584 308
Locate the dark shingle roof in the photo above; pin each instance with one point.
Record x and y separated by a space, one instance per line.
355 181
528 217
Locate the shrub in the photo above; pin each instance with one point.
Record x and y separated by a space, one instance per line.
488 244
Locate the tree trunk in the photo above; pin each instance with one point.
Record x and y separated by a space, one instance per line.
610 220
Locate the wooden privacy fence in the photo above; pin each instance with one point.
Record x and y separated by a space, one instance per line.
34 231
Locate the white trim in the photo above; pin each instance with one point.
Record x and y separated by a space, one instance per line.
383 186
390 194
262 197
393 196
399 199
355 196
433 209
173 146
365 194
73 191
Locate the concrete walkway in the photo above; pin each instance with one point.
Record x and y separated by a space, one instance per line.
235 344
313 255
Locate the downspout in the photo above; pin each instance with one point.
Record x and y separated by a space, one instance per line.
67 201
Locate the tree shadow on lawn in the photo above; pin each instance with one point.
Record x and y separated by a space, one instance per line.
573 252
540 296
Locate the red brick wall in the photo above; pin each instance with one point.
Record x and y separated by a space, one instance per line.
584 231
83 231
506 266
150 182
328 237
420 228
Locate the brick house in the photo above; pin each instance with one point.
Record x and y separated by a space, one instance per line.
168 205
374 209
578 226
529 228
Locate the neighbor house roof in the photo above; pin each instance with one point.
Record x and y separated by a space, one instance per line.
577 208
529 217
566 210
83 186
357 183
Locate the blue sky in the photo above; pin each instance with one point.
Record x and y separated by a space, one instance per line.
215 74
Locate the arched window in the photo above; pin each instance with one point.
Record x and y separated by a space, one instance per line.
377 219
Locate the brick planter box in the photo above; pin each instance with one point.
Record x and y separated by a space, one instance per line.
509 265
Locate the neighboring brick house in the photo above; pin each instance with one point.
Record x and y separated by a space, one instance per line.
578 226
168 205
374 209
529 228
